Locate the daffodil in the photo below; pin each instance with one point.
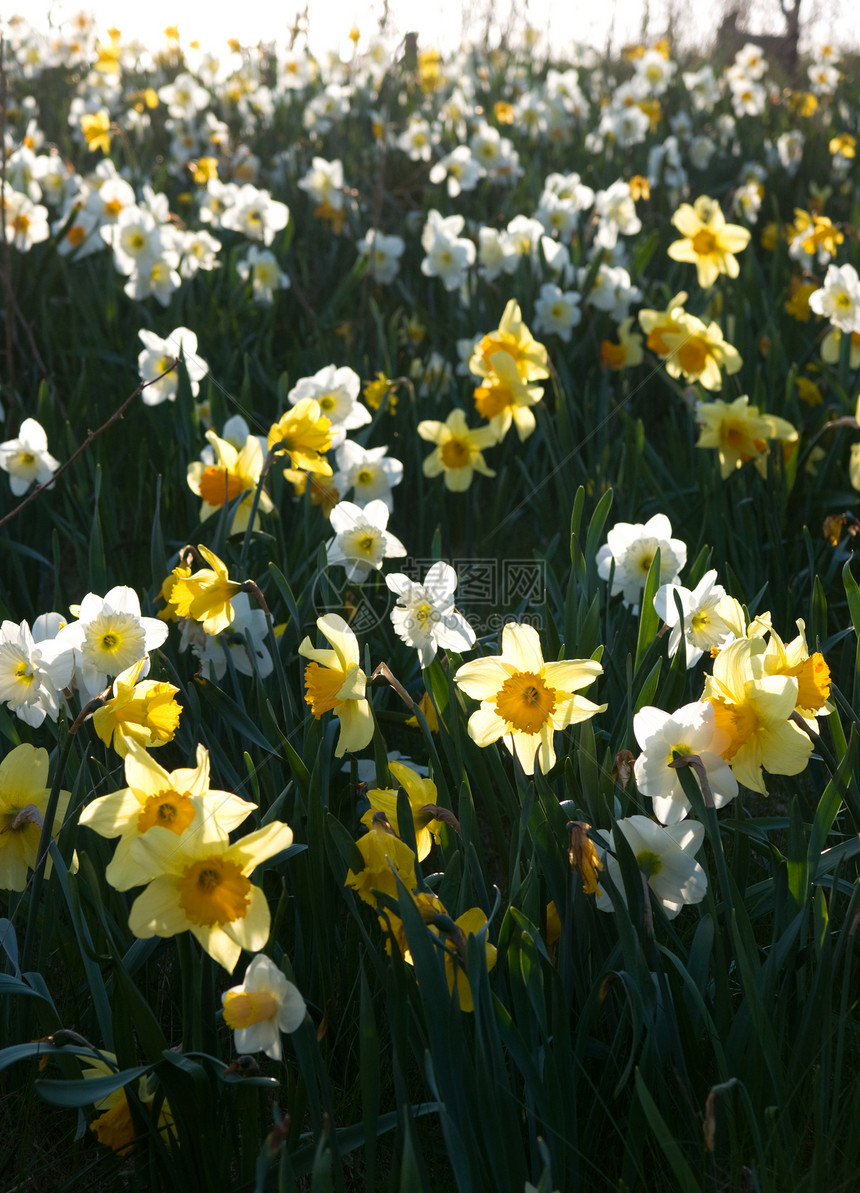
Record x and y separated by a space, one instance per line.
202 885
665 856
305 434
26 458
95 127
689 730
422 797
810 671
740 433
524 700
263 1006
753 708
155 798
513 338
109 635
504 397
627 352
145 712
703 625
114 1126
470 923
230 475
459 450
361 538
334 682
206 595
709 242
24 796
386 858
699 353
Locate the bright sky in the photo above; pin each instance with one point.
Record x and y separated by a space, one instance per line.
440 23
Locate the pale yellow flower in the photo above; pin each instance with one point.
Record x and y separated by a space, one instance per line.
459 450
709 242
740 433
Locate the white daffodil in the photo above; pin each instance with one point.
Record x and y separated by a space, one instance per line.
265 1005
632 547
361 540
109 635
703 626
664 854
27 458
690 730
425 617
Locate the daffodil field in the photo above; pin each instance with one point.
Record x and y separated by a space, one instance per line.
430 644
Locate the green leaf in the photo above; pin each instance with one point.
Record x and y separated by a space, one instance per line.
88 1090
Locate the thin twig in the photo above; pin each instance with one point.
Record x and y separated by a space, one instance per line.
91 435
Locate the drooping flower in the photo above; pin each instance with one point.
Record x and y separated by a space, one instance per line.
156 798
632 546
24 796
202 885
140 710
470 923
334 682
386 858
262 1007
665 855
754 709
524 700
459 450
689 730
425 617
709 242
422 795
304 433
206 595
114 1126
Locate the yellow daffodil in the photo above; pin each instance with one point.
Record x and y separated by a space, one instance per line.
202 885
206 595
421 793
740 433
334 682
155 798
523 699
627 352
514 338
96 129
656 323
145 712
504 397
459 450
233 473
709 242
797 303
114 1125
24 795
753 708
700 353
468 924
304 433
385 856
429 907
813 233
810 671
